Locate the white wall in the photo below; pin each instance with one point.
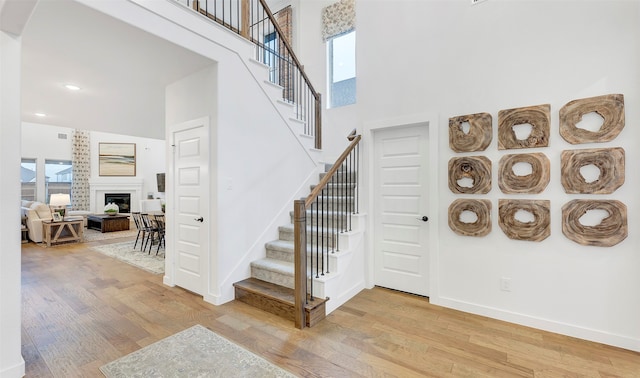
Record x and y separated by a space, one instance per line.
452 58
150 159
41 142
11 362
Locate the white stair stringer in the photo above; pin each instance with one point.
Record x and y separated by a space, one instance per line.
286 109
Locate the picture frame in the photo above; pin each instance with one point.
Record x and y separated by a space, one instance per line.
57 217
117 159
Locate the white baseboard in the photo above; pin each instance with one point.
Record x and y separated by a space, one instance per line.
16 371
566 329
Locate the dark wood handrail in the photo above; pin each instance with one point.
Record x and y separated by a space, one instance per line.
289 48
355 139
243 29
300 228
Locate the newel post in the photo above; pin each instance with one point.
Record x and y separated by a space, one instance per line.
246 14
300 261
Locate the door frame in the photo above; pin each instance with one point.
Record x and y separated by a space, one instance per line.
169 278
430 122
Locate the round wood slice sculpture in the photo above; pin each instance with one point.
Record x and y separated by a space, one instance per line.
536 182
477 138
610 162
475 168
537 230
482 210
611 230
609 107
539 117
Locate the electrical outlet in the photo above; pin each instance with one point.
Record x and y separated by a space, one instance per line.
505 284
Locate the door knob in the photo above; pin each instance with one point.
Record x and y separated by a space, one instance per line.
424 218
201 219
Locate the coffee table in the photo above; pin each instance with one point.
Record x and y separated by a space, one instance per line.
108 223
63 231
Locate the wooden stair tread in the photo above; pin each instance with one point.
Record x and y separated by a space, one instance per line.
277 300
277 292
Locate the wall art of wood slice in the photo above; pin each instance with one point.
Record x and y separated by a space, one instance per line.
539 117
478 136
475 168
609 107
535 182
610 162
537 230
611 230
482 210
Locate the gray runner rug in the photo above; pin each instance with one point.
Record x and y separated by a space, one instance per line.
194 352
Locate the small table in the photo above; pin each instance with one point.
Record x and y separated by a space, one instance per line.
54 232
108 223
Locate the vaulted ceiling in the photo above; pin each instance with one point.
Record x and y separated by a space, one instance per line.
122 71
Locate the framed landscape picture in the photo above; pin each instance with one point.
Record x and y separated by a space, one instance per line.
117 159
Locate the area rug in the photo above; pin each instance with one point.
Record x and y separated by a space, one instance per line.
194 352
124 251
93 235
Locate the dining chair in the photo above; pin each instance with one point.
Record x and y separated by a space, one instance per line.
137 219
159 220
150 230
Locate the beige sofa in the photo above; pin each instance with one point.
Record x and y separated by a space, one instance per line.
33 213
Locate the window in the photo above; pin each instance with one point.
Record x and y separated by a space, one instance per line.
342 69
271 57
28 179
58 174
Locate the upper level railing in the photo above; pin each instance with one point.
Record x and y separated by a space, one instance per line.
319 220
253 20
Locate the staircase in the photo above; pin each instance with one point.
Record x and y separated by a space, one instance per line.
332 230
278 282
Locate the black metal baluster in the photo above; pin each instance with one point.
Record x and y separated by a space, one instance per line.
357 177
317 241
322 232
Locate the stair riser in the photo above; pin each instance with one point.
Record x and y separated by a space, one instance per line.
342 178
288 256
333 205
338 190
326 217
326 262
277 278
328 240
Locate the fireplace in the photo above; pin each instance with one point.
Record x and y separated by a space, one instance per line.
123 200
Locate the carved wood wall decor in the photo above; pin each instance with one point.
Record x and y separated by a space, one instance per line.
611 230
482 209
476 168
539 117
537 230
610 162
610 107
536 182
479 136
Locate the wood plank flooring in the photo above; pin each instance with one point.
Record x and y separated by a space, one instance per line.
82 309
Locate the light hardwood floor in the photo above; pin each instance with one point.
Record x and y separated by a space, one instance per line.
82 309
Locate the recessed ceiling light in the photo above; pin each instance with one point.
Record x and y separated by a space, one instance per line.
40 114
72 87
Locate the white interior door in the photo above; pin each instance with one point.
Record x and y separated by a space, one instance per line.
401 235
191 209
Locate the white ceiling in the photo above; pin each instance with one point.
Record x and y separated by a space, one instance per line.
122 70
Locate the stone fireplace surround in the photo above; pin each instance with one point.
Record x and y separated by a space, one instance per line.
100 186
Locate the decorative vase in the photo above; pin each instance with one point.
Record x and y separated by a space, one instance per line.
111 209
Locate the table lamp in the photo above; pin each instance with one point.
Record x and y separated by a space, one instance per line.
59 201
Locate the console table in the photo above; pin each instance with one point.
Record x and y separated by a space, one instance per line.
63 231
108 223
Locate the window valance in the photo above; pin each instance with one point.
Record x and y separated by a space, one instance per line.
338 18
